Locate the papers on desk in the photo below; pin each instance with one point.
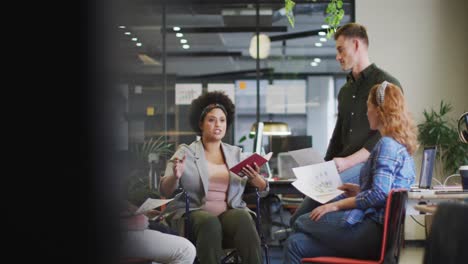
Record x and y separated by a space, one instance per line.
151 204
318 181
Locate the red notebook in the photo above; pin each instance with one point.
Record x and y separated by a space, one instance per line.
250 161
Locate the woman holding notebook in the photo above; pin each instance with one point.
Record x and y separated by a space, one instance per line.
219 217
351 225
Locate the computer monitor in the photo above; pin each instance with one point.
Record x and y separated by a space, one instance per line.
427 167
281 144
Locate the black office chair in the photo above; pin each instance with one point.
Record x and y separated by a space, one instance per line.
232 256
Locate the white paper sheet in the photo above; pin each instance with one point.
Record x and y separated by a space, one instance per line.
186 92
318 181
306 156
151 204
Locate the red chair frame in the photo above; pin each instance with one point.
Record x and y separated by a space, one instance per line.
392 234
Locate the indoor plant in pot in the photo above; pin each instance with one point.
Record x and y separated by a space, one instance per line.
140 186
439 130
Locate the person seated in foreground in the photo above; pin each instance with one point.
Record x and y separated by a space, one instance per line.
141 242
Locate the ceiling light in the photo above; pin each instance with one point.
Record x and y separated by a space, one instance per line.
323 39
134 39
321 33
121 26
176 28
186 46
317 60
318 44
138 44
263 44
127 33
313 64
183 41
179 35
325 26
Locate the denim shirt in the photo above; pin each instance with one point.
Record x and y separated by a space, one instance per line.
389 166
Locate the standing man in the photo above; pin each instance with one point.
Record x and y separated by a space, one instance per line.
352 138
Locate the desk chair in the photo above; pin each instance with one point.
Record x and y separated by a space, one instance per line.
392 233
232 256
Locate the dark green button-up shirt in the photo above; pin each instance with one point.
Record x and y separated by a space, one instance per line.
352 131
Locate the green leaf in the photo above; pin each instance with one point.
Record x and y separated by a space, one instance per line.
242 139
291 19
339 4
288 7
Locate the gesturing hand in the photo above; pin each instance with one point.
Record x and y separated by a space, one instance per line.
320 211
179 166
350 189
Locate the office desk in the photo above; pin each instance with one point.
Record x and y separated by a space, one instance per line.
431 197
425 202
424 208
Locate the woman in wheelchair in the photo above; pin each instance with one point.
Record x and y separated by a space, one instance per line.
219 217
351 225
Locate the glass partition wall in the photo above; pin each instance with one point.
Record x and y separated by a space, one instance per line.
169 52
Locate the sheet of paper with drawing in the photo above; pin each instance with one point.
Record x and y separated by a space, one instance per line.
318 181
151 204
306 156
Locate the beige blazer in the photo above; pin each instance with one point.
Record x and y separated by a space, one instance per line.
195 179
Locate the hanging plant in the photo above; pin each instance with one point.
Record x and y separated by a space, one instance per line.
334 12
288 6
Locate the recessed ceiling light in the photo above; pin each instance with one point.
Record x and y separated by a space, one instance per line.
134 39
176 28
121 26
183 41
138 44
325 26
318 44
127 33
317 60
186 46
321 33
313 64
179 35
323 39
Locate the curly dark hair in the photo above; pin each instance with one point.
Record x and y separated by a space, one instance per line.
199 104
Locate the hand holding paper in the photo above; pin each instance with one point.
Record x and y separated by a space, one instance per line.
318 181
350 189
151 204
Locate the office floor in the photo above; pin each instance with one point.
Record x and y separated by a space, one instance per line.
409 255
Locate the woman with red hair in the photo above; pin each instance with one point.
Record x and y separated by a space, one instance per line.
351 225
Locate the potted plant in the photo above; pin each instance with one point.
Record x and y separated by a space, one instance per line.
140 184
440 131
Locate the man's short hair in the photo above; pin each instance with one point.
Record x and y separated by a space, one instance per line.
353 30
